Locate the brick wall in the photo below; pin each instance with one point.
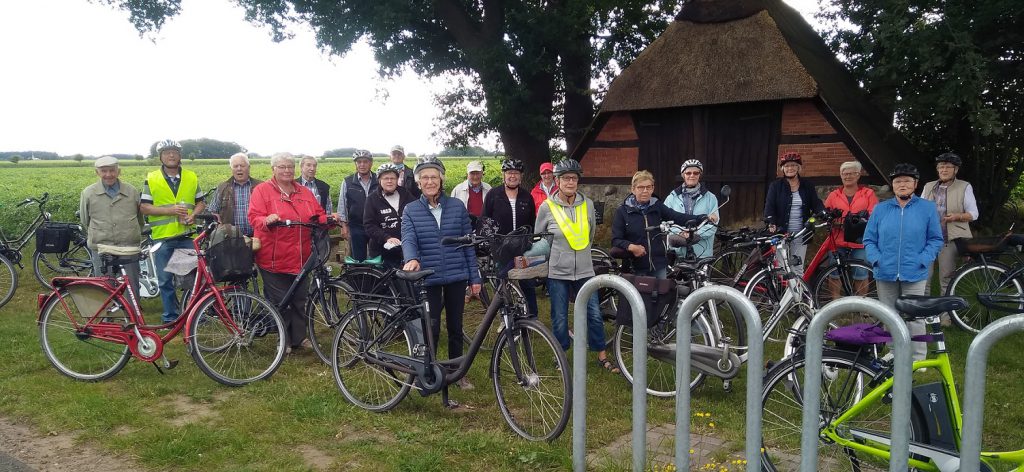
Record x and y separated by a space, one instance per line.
803 118
618 128
610 162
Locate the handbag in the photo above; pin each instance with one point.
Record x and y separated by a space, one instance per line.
657 294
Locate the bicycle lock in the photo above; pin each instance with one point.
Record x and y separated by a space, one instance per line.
974 387
903 361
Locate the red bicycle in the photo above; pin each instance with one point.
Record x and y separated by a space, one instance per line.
89 327
834 272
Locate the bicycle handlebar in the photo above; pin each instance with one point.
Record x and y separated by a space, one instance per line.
41 200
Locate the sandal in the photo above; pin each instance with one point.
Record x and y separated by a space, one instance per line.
608 365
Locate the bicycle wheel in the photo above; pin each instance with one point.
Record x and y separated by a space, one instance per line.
476 310
65 336
535 402
324 312
836 281
767 291
243 344
977 278
727 265
845 382
8 281
369 331
661 352
76 262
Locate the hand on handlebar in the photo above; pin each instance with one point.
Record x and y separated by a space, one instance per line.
271 219
637 250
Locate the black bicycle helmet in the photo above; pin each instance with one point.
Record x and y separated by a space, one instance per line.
512 164
904 169
950 157
567 166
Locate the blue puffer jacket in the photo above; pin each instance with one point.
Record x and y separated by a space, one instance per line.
421 240
901 243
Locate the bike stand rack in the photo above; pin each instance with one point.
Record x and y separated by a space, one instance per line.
903 361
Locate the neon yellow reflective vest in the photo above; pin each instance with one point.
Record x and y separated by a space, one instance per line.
576 232
168 226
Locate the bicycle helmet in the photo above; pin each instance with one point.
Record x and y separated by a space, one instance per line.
167 144
950 157
567 166
691 163
428 162
790 157
904 169
512 164
388 167
362 154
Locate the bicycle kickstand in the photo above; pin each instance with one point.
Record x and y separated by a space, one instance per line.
445 401
167 364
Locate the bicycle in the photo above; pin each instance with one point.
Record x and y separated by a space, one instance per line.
856 409
383 349
837 278
90 327
64 253
985 274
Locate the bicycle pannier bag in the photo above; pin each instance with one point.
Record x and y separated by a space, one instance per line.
656 293
53 238
230 260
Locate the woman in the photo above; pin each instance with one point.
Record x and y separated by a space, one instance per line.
902 239
424 223
693 197
382 217
546 187
284 250
641 210
851 198
790 203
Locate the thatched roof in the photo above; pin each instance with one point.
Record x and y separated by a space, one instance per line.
745 60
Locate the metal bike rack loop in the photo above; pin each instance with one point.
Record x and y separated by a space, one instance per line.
903 361
974 387
755 372
579 369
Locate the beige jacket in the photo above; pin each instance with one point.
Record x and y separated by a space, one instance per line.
955 195
114 221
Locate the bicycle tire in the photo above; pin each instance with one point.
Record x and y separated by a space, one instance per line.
76 262
8 281
67 344
970 280
822 291
727 265
546 387
323 319
661 374
476 310
252 353
370 386
762 298
845 381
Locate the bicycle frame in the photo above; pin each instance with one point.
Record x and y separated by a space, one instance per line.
19 243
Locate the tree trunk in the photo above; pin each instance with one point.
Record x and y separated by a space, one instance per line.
579 103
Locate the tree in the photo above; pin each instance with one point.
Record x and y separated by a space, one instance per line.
15 159
949 72
521 69
78 157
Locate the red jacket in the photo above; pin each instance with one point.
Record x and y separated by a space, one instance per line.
283 250
539 196
863 199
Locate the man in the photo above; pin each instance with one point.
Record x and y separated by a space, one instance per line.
109 211
511 207
902 239
352 201
320 189
957 207
382 217
231 199
170 197
546 187
471 191
790 203
693 198
405 176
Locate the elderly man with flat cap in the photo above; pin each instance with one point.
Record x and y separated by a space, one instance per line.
109 210
405 177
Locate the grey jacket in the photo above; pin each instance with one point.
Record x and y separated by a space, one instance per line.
565 263
117 221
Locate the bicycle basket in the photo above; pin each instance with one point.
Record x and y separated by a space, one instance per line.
53 238
230 260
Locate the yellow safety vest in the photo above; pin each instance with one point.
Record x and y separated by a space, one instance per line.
576 232
165 226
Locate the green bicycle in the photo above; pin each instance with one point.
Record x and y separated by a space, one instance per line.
856 406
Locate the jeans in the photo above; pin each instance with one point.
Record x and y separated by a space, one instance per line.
887 294
166 279
450 298
558 292
529 288
799 249
357 243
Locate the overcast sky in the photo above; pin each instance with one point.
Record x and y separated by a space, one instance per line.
75 77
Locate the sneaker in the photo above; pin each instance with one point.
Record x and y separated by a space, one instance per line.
306 343
464 384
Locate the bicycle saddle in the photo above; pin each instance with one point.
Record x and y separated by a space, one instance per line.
413 276
918 306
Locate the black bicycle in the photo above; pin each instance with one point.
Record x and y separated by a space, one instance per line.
385 348
61 250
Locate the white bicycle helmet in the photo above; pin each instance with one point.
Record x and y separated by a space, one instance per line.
167 144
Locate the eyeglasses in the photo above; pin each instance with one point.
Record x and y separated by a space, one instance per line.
849 174
569 178
285 167
642 188
692 174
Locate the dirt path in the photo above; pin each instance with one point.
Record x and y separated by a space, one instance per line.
54 452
